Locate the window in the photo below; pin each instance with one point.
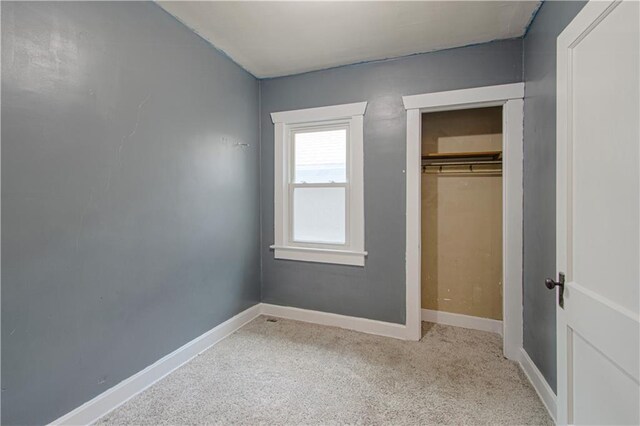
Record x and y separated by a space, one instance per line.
319 208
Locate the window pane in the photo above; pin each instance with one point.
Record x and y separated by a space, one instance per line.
321 156
319 215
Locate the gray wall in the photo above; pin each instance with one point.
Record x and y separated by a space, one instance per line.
376 291
540 182
131 219
129 225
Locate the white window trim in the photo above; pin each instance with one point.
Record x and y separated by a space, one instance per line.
285 122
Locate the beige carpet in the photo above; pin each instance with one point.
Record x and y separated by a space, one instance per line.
292 373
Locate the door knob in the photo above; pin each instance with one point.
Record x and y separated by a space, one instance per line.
551 284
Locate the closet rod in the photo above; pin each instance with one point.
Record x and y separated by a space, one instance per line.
431 169
459 163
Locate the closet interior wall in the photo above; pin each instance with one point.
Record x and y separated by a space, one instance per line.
462 216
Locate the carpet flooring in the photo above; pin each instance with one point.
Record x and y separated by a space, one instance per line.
281 372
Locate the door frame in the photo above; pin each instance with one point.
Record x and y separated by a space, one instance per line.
510 97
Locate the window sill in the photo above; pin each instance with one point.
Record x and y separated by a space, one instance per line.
319 255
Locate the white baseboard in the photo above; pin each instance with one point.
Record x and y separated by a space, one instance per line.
112 398
465 321
107 401
363 325
539 383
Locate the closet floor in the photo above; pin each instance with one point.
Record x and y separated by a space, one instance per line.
289 372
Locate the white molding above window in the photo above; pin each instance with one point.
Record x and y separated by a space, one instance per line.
335 112
288 124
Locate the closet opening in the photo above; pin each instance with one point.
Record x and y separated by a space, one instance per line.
461 270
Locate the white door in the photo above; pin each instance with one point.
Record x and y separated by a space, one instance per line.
598 208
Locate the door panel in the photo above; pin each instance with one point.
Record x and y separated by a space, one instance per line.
603 393
598 215
605 173
611 328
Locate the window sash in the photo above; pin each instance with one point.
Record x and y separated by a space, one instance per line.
310 128
306 128
347 215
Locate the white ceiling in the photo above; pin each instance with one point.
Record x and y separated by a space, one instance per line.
280 38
